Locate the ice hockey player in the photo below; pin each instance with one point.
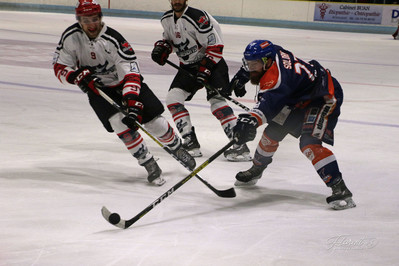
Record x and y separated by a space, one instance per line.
395 34
298 98
196 38
91 53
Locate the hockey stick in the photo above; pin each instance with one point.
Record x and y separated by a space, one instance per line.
228 193
115 219
208 86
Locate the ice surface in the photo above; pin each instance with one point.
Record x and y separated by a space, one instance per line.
58 166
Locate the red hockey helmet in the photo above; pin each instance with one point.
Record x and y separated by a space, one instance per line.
87 8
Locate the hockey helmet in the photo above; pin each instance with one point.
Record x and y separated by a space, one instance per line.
87 8
259 50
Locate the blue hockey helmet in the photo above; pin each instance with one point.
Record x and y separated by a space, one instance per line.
259 50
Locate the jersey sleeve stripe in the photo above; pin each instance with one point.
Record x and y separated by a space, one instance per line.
66 34
120 51
215 50
189 20
167 15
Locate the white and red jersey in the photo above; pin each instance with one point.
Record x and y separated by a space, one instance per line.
194 35
110 55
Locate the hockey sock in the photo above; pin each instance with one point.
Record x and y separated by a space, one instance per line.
181 117
265 150
135 144
224 114
161 129
324 162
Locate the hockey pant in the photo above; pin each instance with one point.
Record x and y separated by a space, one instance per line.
134 142
220 109
153 121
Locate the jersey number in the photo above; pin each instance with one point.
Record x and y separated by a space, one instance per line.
299 66
93 55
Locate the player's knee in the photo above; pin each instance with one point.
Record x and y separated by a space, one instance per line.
116 123
157 126
217 98
220 109
306 140
176 95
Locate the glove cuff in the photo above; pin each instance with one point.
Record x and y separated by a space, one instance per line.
135 104
249 119
78 75
207 63
165 44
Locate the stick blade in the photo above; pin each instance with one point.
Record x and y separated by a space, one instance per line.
106 214
228 193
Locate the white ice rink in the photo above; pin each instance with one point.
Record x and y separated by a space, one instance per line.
58 165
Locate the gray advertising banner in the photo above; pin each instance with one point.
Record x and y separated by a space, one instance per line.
348 13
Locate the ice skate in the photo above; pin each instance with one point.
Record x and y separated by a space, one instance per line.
184 156
154 172
238 153
191 144
249 177
341 197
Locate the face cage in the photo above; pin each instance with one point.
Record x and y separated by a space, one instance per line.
255 65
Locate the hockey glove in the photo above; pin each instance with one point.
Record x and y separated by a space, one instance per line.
245 129
83 77
238 82
134 110
204 71
161 52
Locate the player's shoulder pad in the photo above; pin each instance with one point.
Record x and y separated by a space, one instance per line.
167 14
280 51
198 18
71 29
118 40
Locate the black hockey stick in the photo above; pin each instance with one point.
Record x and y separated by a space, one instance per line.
115 219
228 193
208 86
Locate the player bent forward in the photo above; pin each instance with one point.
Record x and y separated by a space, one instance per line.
196 38
91 53
297 98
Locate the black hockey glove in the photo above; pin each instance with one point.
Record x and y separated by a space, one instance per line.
245 129
237 84
134 110
83 77
161 52
204 71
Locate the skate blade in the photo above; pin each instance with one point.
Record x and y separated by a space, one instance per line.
238 158
195 153
246 184
158 181
342 204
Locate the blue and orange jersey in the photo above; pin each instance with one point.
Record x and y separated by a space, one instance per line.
290 83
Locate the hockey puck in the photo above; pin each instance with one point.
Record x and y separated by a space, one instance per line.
114 218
